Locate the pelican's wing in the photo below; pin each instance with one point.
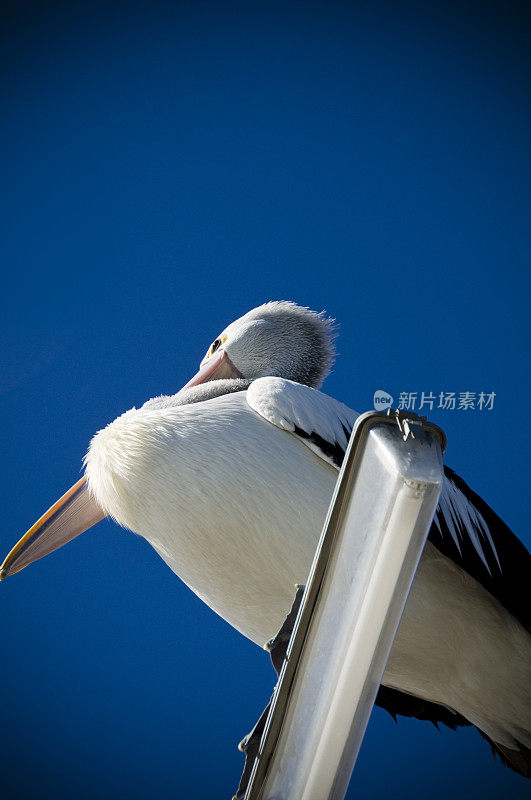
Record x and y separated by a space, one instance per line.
465 529
322 423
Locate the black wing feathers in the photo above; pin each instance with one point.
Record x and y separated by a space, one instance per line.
509 580
332 450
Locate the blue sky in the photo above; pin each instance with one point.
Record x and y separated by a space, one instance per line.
168 167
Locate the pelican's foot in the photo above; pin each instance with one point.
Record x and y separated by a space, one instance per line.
277 648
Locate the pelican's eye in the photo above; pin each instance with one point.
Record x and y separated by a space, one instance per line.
216 345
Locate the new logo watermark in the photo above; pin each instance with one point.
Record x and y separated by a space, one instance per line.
428 401
382 400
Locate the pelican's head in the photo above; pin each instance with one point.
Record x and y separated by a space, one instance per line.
278 338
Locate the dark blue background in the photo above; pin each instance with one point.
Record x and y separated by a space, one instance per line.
170 166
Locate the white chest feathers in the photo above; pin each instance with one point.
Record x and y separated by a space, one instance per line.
232 504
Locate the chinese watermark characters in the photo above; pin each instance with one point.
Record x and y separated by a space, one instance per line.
448 401
429 401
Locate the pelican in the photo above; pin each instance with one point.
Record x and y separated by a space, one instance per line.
230 480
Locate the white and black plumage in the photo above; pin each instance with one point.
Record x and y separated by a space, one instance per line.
230 481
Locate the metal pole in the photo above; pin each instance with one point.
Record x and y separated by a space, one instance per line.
376 527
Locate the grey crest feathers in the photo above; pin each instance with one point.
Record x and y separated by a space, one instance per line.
284 339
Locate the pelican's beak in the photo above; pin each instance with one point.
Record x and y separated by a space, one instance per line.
75 512
217 367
